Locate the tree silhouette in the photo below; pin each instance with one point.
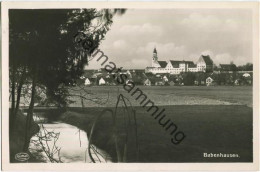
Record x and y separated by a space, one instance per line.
44 51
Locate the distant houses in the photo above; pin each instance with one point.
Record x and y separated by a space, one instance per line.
159 82
140 77
101 81
147 82
224 74
209 81
171 83
87 82
237 82
246 75
174 73
165 79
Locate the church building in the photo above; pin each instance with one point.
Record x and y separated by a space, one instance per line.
204 64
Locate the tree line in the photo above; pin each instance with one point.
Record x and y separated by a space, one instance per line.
44 53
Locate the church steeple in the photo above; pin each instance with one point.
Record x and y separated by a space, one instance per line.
154 50
155 58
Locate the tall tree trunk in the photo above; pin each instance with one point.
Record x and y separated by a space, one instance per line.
19 89
13 91
29 116
11 116
14 111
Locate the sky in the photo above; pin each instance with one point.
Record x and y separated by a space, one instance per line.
178 34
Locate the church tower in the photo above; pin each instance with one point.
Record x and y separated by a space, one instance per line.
155 58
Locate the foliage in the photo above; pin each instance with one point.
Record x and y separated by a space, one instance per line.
42 42
45 52
129 116
247 67
46 141
188 78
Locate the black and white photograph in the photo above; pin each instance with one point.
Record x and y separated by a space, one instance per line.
117 84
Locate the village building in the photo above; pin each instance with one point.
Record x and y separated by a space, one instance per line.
159 82
196 82
147 82
172 83
246 75
87 82
165 79
204 64
237 82
173 72
129 82
101 81
209 81
82 77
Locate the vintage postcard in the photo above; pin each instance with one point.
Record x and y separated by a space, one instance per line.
130 85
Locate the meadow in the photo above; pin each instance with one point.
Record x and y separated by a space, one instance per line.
169 95
214 120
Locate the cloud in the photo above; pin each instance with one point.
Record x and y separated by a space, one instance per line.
195 56
200 21
165 51
119 44
226 58
209 23
231 24
221 58
225 35
145 28
139 63
207 52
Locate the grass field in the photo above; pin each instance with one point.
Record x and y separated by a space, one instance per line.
214 120
172 95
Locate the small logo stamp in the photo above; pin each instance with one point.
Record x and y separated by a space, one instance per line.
22 156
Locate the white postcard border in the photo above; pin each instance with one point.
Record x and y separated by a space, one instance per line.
254 6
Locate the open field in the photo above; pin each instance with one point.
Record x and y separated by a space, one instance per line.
172 95
208 129
214 120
